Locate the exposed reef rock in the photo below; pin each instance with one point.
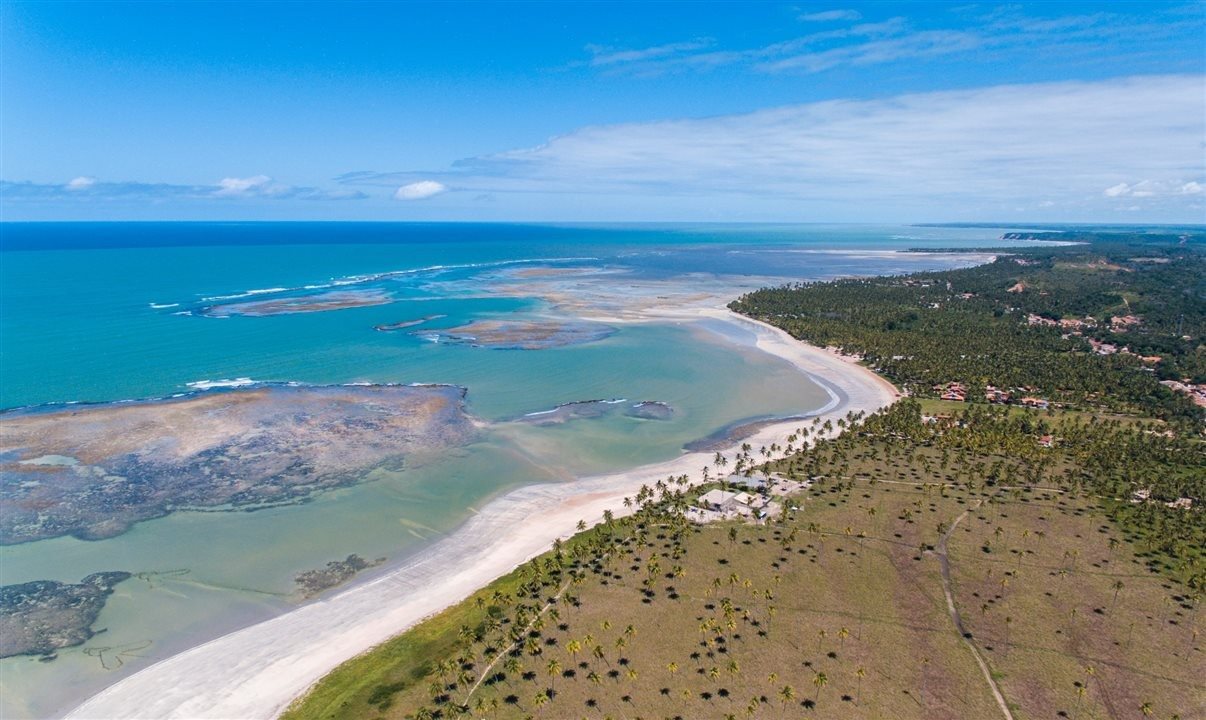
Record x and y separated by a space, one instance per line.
515 335
337 572
587 409
319 302
44 616
650 410
93 471
392 327
727 436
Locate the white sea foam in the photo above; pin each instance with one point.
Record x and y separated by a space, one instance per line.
246 293
164 306
210 384
374 277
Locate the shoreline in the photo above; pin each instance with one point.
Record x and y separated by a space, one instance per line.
256 672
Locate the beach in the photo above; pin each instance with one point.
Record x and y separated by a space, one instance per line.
257 671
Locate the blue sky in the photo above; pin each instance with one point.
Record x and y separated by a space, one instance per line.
811 112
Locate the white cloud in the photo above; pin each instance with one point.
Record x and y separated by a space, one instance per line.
612 56
242 186
259 186
979 150
1007 31
420 190
831 16
1154 188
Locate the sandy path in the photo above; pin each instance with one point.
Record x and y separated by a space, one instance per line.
255 672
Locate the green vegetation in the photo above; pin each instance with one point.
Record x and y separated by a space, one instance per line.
947 560
978 326
837 609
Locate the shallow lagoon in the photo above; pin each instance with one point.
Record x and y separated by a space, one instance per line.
79 325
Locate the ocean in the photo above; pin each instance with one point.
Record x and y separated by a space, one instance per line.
110 312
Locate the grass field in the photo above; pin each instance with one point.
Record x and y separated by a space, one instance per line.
836 611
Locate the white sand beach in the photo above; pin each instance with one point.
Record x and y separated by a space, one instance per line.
257 671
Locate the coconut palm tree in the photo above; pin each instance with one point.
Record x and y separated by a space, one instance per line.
859 673
787 693
541 699
553 669
820 680
573 647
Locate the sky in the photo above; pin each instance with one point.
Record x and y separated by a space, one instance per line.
560 111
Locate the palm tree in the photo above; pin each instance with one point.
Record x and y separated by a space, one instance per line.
859 673
843 633
1146 709
672 667
787 693
820 680
541 699
511 666
553 669
573 647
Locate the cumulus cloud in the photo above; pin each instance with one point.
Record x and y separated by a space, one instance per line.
420 190
1192 188
831 16
997 147
81 183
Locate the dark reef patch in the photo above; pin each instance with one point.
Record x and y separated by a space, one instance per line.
402 325
318 302
336 572
727 436
515 335
588 409
93 471
44 616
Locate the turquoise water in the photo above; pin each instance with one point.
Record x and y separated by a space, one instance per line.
104 312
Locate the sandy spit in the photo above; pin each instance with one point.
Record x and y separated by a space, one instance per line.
257 671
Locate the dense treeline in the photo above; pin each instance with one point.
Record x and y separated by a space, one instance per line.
973 325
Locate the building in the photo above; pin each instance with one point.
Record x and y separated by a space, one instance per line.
717 499
754 483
